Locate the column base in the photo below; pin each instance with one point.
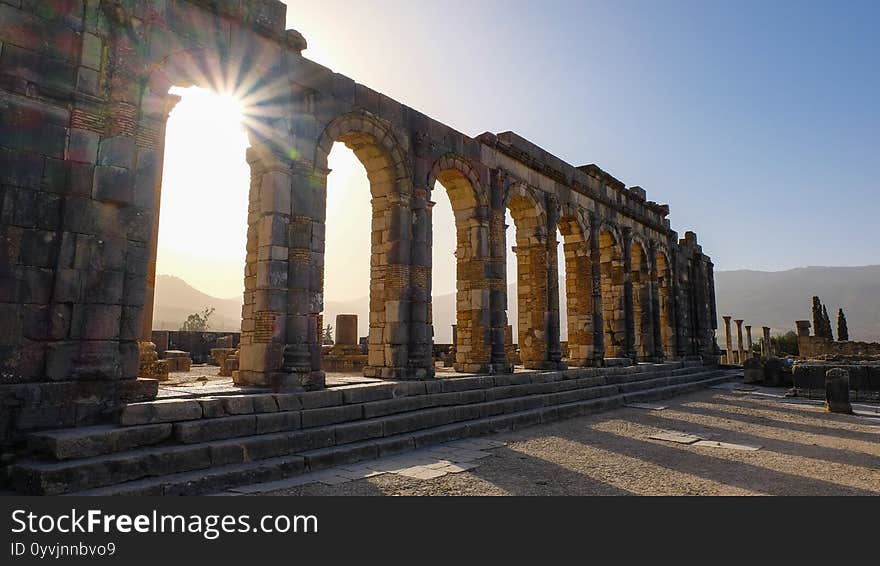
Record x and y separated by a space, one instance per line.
484 368
545 365
411 373
582 362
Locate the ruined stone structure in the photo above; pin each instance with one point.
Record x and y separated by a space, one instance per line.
817 346
84 91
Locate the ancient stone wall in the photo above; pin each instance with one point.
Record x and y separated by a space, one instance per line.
84 95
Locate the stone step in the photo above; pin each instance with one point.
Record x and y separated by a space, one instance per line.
176 410
322 442
217 423
279 467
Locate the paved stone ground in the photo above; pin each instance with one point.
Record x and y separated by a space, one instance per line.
203 380
802 451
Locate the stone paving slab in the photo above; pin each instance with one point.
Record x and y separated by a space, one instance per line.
428 463
646 406
728 445
677 437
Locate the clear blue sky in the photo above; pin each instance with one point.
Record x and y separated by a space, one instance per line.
758 122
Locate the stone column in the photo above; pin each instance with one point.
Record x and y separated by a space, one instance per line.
496 267
749 341
281 334
154 177
421 329
739 340
579 294
728 341
596 291
554 348
655 301
628 311
767 350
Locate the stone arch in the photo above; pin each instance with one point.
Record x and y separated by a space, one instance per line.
612 280
376 147
533 242
388 170
578 286
265 323
473 266
666 305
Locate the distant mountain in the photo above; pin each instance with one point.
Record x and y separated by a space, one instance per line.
778 298
176 299
761 298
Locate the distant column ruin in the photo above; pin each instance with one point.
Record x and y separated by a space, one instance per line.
728 341
741 352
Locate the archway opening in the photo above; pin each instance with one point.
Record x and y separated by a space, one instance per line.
203 216
575 293
460 249
396 345
530 249
346 263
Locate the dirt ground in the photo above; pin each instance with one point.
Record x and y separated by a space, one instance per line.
803 451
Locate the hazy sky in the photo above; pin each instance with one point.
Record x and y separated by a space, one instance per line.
757 122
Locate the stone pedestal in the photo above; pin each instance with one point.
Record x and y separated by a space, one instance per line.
230 365
346 330
178 360
837 391
219 355
753 371
773 372
151 367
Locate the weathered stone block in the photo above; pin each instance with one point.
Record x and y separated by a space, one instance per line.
837 391
203 430
331 415
164 411
113 184
278 422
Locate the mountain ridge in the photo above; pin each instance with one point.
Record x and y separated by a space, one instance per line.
761 298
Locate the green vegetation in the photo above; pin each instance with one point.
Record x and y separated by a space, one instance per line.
198 322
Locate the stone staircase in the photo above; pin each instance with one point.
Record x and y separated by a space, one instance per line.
203 445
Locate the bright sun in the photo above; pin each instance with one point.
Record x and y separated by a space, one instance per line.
203 215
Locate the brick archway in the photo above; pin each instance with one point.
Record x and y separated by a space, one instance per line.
388 170
578 288
470 207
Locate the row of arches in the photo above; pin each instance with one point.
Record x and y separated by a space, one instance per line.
618 314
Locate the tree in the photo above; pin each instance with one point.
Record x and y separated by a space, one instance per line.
782 344
842 330
328 335
818 321
198 322
827 322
